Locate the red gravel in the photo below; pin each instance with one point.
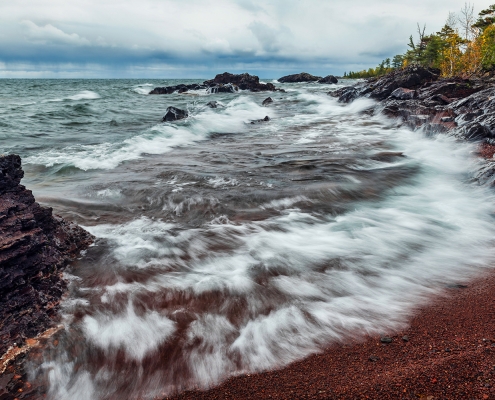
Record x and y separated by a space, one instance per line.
450 354
487 150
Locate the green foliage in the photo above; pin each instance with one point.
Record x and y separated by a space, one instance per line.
446 49
486 18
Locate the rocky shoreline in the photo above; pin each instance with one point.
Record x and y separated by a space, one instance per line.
418 97
35 247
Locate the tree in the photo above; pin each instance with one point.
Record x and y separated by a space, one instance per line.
486 18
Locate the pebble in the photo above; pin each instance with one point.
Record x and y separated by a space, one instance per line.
386 339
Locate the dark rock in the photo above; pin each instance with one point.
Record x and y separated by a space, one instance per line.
475 131
266 119
212 104
267 101
223 88
405 338
179 88
373 358
302 77
174 114
404 94
346 94
386 339
240 81
35 246
329 79
412 77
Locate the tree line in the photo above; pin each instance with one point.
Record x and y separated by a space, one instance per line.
464 47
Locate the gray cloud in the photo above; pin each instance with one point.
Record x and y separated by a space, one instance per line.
177 38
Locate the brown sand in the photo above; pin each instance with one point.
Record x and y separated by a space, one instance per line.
449 354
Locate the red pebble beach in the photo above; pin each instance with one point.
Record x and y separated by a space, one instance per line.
448 352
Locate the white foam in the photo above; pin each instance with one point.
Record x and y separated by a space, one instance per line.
221 182
85 95
138 335
159 139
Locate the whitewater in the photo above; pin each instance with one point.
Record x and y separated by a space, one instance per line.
225 245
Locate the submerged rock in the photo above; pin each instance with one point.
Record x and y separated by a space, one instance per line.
212 104
267 101
266 119
174 114
329 79
35 247
302 77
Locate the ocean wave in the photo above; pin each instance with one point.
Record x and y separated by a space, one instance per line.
158 139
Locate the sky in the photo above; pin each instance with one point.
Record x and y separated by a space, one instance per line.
200 38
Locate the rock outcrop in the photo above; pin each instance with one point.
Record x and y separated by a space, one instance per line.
421 99
239 81
35 247
302 77
222 83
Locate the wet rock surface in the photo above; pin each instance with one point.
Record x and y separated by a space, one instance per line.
174 114
35 247
417 96
302 77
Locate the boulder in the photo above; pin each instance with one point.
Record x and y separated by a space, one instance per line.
302 77
329 79
267 101
174 114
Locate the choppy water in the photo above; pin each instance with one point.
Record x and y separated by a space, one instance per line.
224 246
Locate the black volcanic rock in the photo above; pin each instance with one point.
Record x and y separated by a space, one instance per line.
329 79
174 114
302 77
35 246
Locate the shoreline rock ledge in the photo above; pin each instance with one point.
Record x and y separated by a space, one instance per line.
35 247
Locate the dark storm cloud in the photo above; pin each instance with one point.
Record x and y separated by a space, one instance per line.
175 37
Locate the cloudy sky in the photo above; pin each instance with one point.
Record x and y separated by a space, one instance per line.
199 38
